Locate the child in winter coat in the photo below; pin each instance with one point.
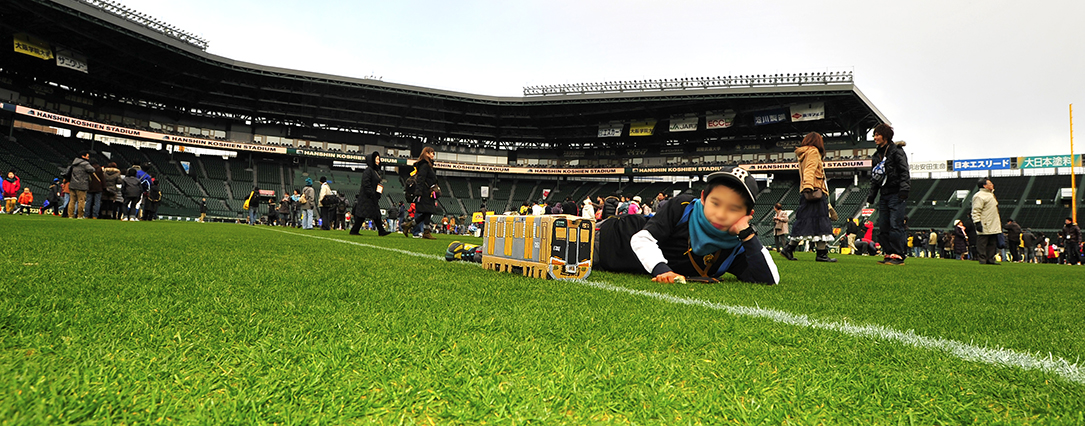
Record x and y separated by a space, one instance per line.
692 238
131 190
11 185
25 199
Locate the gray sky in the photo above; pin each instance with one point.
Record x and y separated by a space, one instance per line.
958 79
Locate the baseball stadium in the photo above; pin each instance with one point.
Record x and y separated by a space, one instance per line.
191 315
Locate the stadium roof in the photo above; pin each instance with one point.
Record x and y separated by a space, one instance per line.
131 60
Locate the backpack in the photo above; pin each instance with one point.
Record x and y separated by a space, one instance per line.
329 200
411 188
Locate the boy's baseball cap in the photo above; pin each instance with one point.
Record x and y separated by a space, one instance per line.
737 178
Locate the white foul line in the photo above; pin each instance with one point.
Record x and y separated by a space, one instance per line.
1001 357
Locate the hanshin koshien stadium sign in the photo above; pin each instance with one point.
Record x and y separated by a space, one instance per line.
486 168
848 164
673 169
101 127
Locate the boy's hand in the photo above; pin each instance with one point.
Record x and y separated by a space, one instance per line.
741 224
668 277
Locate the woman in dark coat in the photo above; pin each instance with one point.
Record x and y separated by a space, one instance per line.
369 195
960 240
425 206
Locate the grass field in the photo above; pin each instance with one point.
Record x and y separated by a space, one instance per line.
107 322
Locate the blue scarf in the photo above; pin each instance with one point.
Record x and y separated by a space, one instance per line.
704 238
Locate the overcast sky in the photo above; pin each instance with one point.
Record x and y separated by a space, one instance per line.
957 79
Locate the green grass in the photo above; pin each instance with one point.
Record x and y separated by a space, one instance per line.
163 322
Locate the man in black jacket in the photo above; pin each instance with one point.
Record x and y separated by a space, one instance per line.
569 207
367 207
1072 234
1013 240
1030 245
890 177
611 207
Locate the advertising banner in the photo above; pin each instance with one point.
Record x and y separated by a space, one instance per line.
770 117
67 58
848 164
981 164
679 124
642 128
28 45
187 166
610 130
717 120
674 169
200 151
71 121
808 112
484 168
928 166
1048 161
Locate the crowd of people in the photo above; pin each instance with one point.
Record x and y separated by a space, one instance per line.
982 236
88 190
963 241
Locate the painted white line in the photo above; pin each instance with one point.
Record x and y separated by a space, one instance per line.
406 252
1000 357
967 352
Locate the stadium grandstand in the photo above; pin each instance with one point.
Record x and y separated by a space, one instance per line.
91 74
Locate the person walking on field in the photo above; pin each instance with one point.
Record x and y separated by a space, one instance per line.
131 190
1072 233
111 199
425 205
81 171
12 187
25 200
779 230
986 221
306 202
960 240
54 197
932 244
254 205
1028 239
369 195
891 179
812 216
95 185
588 211
1013 240
325 204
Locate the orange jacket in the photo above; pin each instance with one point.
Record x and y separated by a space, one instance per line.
26 198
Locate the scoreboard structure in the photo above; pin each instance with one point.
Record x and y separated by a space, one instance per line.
549 246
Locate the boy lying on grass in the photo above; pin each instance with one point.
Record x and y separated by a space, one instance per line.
699 239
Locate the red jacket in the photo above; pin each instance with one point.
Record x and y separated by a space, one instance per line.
12 187
26 198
